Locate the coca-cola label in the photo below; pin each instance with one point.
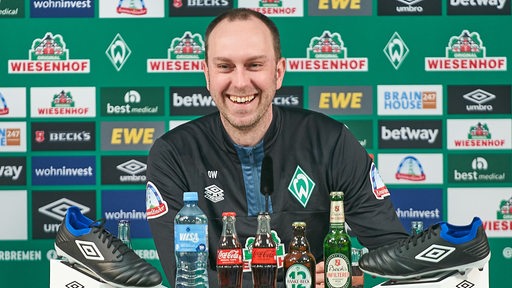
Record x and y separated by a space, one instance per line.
229 257
264 256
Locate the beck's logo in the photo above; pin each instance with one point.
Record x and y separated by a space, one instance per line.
185 55
466 52
49 55
301 186
326 53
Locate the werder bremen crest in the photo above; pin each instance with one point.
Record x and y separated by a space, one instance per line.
301 186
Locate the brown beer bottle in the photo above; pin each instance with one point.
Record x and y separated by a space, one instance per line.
337 247
229 254
264 261
299 263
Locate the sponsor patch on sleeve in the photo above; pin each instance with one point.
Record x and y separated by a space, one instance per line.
155 204
379 188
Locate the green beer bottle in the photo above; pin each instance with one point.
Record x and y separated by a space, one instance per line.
337 247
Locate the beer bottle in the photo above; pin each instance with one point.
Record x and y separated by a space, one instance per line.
123 232
299 263
337 247
264 261
229 254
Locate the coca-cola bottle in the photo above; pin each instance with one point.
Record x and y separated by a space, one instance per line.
264 261
229 254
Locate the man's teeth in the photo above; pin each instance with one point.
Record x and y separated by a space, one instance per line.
239 99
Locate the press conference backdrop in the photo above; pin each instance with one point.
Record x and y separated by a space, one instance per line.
86 87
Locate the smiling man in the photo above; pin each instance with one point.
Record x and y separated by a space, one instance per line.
220 156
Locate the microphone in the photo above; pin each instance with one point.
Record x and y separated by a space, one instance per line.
267 179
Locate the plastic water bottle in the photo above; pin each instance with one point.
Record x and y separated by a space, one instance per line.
191 244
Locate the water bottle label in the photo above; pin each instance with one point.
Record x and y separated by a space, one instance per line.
191 238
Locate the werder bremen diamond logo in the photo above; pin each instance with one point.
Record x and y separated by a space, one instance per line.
301 186
118 52
396 50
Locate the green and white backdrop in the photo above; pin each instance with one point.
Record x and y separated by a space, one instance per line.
86 86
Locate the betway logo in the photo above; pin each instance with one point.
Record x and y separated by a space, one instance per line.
497 3
12 172
196 100
408 133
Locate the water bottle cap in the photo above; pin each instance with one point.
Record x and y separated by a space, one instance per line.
190 196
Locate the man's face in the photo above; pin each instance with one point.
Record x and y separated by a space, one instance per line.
242 73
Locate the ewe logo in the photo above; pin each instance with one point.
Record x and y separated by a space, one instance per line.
339 8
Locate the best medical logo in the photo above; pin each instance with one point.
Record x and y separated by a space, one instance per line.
49 55
466 52
326 53
479 168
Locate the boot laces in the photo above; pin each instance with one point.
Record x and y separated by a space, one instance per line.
105 236
412 240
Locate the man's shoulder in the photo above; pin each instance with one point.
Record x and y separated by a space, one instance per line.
300 115
197 128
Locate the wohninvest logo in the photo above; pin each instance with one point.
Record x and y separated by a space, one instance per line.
49 55
466 52
131 208
61 8
63 170
327 53
186 54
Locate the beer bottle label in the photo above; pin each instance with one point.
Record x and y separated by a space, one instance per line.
337 215
337 271
298 276
264 256
229 257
